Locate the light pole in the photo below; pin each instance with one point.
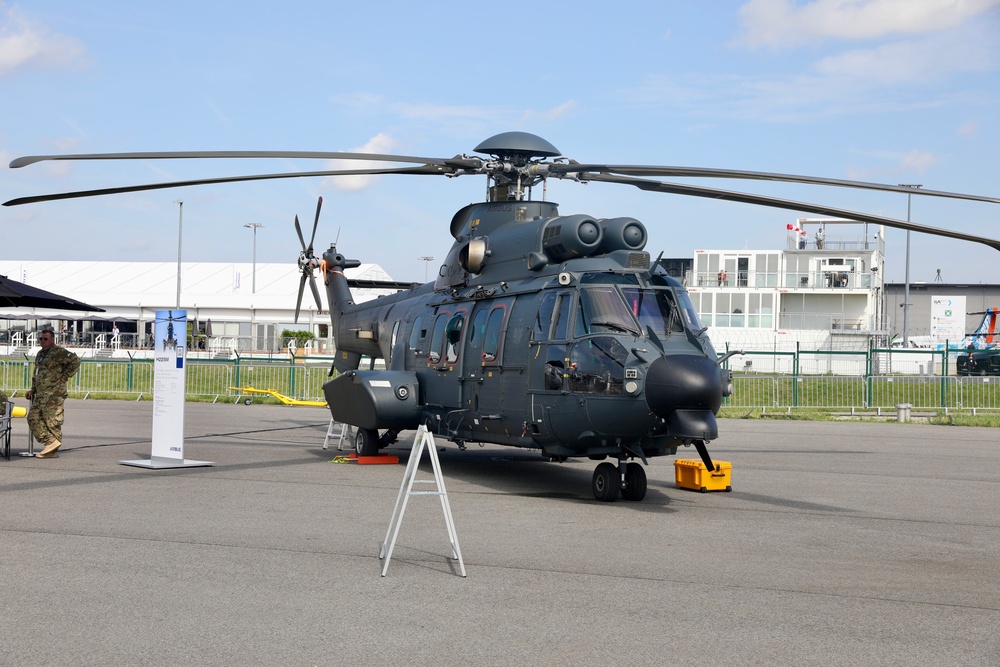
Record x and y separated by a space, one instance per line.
906 284
180 227
427 261
254 226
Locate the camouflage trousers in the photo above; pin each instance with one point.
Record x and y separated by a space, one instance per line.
45 419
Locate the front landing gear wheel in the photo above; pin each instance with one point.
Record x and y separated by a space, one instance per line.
635 482
366 442
605 482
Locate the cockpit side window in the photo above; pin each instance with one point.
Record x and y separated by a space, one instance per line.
552 321
543 319
688 311
560 316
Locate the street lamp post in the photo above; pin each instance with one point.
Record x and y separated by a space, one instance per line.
906 284
253 279
180 227
427 261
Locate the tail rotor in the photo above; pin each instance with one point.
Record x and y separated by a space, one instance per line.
308 262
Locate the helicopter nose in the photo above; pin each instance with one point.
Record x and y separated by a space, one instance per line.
683 382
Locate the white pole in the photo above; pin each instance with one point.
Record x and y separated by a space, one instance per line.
180 227
906 285
253 279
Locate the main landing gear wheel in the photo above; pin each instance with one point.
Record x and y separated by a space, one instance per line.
366 442
605 482
635 482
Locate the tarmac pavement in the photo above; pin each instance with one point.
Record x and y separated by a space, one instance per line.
841 544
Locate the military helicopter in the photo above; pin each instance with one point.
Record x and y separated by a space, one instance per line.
541 330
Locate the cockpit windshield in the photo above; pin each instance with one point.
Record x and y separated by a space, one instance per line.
655 309
602 310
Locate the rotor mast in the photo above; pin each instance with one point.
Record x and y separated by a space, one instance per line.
515 170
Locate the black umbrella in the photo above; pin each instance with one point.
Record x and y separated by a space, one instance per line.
20 295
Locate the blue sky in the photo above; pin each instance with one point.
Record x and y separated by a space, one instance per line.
892 91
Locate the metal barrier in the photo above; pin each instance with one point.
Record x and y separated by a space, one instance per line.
844 380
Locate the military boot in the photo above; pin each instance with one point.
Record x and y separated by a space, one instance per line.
50 450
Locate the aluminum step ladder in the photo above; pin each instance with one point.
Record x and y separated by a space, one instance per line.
423 440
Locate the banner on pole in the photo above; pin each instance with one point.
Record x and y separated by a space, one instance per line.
170 333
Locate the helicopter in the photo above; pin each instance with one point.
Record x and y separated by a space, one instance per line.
544 331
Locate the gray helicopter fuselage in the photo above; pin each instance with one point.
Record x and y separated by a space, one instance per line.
540 331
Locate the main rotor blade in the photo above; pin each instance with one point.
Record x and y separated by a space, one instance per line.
422 170
456 162
700 172
761 200
319 205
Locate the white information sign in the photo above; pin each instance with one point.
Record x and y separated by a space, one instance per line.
947 320
168 384
170 332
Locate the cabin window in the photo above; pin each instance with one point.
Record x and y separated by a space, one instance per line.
602 309
437 338
453 337
491 339
418 333
478 325
654 309
392 340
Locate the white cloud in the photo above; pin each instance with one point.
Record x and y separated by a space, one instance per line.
894 166
969 129
917 161
555 113
26 44
381 143
912 47
912 60
786 24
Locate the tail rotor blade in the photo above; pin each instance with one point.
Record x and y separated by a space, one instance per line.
298 230
315 291
298 302
312 238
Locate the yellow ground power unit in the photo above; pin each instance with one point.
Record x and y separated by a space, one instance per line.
692 474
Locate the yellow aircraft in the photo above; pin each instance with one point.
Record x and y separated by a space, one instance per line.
287 400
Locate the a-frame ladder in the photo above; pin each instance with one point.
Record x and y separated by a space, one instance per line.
346 436
423 440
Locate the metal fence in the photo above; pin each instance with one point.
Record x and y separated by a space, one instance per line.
843 380
871 379
850 392
217 380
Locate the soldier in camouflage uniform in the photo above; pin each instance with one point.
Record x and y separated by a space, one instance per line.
54 366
